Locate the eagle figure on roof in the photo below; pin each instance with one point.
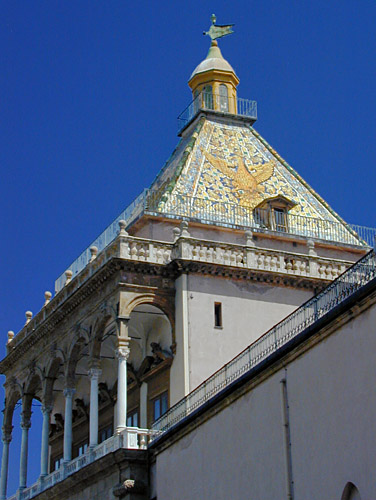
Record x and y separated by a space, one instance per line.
247 183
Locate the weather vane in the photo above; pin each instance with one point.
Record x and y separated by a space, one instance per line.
218 30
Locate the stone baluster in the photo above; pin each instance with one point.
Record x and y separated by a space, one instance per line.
93 253
46 411
124 243
29 316
250 250
25 426
68 276
6 438
47 298
94 373
68 394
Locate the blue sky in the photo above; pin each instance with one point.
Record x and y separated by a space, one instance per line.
90 92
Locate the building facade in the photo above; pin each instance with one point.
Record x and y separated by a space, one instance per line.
227 242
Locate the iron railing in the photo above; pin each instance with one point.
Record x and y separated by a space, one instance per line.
219 103
104 239
225 215
339 290
258 220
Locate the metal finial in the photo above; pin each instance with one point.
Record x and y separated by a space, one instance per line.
218 30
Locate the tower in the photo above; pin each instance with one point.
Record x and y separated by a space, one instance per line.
227 241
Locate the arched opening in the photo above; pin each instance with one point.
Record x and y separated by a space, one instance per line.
24 415
350 492
149 363
223 98
54 395
207 96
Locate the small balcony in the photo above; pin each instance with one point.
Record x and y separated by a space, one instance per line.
218 103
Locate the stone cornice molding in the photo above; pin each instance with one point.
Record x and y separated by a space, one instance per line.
168 260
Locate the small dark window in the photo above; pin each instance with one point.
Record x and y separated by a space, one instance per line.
218 314
58 462
105 433
132 419
160 405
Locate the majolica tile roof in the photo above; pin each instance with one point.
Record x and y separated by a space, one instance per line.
232 164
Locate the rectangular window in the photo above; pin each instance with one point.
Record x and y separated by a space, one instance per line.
160 405
105 433
132 419
57 463
82 449
218 315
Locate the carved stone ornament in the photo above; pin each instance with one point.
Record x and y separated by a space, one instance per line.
123 352
128 486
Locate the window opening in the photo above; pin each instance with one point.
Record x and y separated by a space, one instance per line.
196 101
279 217
208 97
160 405
132 418
223 98
105 433
58 462
218 315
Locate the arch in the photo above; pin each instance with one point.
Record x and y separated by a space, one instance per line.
12 396
207 93
350 492
51 374
33 389
223 98
73 357
160 302
98 328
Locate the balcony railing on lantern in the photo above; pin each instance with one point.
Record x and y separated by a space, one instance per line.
220 103
359 275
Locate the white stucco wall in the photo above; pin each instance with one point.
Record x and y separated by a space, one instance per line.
248 310
239 453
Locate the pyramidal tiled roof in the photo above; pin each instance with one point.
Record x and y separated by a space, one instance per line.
222 164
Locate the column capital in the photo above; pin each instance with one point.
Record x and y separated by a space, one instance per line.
46 408
7 434
94 373
26 419
69 392
122 352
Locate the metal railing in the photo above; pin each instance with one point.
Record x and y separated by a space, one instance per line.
130 438
343 287
219 103
259 220
105 238
225 215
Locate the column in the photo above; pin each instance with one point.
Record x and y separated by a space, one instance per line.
46 411
25 426
143 406
6 438
122 353
68 393
94 374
